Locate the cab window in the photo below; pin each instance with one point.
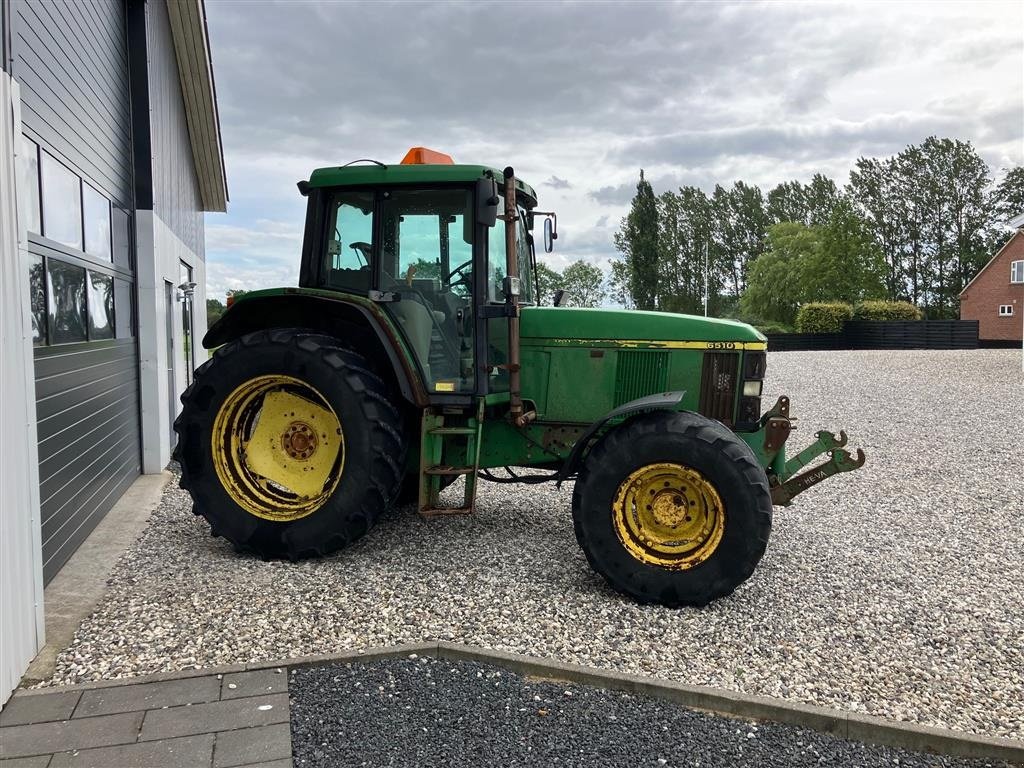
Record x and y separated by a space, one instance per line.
496 261
349 238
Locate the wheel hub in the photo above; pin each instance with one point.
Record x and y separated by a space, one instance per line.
670 508
299 441
668 515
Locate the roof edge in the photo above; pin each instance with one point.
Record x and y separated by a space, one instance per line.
1014 236
199 92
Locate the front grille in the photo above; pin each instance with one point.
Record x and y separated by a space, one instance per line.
718 386
640 373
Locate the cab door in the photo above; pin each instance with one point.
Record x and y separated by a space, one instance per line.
426 265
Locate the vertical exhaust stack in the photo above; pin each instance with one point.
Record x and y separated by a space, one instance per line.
512 287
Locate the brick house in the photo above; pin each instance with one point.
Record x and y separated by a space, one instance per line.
995 297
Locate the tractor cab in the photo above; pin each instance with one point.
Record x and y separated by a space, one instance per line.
420 240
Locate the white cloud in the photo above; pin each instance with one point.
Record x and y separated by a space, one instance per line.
694 93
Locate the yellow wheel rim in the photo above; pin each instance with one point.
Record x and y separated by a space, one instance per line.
278 448
668 515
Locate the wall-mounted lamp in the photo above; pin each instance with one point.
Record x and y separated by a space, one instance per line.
186 291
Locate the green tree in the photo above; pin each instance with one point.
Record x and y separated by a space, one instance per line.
874 190
1007 199
741 224
775 288
584 283
548 280
821 197
637 241
929 212
787 202
618 284
214 310
685 232
429 269
848 266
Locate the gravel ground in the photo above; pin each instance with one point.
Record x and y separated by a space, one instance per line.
895 591
429 712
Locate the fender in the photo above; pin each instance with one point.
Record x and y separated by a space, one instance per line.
661 401
341 316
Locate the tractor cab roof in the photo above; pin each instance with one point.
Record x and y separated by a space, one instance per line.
430 173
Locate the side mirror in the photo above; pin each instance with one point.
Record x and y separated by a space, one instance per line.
561 296
550 235
487 202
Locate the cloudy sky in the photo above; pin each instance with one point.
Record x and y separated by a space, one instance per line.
578 97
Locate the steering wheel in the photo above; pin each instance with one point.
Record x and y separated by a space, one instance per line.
464 279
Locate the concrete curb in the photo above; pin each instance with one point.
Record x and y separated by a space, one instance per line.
845 725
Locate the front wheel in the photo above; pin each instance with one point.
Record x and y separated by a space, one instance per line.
289 444
672 508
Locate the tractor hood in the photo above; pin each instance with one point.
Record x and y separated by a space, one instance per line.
629 327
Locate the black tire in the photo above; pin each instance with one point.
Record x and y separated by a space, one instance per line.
374 442
722 458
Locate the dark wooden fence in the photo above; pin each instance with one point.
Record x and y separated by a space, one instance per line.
896 334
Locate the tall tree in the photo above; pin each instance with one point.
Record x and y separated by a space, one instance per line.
685 221
584 283
775 289
848 266
214 310
874 190
821 197
741 226
548 281
637 240
618 284
1007 199
787 202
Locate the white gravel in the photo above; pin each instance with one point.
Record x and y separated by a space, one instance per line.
897 590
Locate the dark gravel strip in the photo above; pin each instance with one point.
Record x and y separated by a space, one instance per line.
434 712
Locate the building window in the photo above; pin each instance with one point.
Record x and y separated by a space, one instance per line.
37 293
1006 310
1017 271
30 185
66 305
101 306
96 210
62 203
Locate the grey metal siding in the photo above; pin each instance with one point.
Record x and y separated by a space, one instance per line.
71 59
87 406
176 196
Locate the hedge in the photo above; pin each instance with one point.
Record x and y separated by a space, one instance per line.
823 317
886 310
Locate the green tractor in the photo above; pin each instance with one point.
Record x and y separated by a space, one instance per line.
414 353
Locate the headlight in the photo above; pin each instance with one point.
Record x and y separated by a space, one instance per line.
752 389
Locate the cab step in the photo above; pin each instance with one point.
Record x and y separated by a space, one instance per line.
449 471
449 448
445 511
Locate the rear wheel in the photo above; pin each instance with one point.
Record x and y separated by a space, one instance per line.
672 508
289 444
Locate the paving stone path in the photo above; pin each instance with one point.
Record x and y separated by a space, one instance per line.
215 721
